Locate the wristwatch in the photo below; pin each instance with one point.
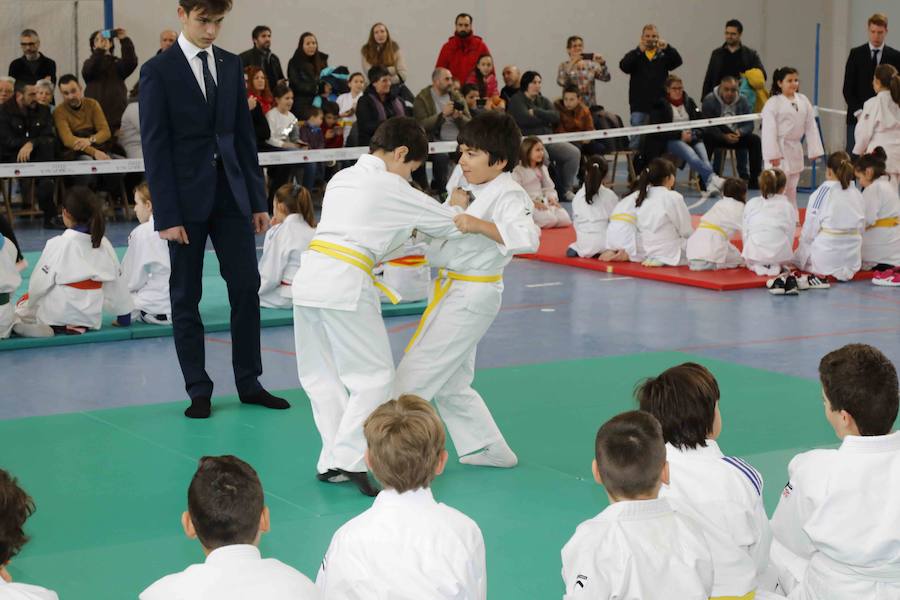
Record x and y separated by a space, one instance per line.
93 140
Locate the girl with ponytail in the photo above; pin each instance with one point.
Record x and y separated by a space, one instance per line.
831 238
293 228
881 240
77 276
879 122
768 226
709 247
663 223
591 209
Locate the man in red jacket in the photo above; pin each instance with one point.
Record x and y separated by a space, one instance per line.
461 52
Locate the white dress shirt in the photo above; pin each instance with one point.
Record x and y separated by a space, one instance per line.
190 52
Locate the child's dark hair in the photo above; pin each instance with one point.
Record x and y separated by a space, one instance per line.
314 111
778 76
889 79
400 131
655 173
209 7
84 208
468 88
839 163
15 508
296 200
281 89
356 74
571 88
495 133
630 454
528 144
683 399
771 182
735 189
875 160
861 380
595 170
331 108
225 501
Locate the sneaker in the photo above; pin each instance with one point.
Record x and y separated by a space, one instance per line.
811 282
715 184
889 278
569 196
783 285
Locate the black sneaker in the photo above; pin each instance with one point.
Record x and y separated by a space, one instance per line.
783 285
791 288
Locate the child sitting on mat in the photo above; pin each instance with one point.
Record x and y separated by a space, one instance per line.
77 276
709 247
407 545
721 493
881 240
768 226
10 280
532 174
146 265
623 240
226 512
592 207
640 546
663 220
293 228
15 508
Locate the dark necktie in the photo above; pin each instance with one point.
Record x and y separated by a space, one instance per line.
875 58
208 82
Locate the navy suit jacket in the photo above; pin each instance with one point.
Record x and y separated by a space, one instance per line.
181 139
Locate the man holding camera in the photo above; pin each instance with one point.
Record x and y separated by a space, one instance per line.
441 112
582 70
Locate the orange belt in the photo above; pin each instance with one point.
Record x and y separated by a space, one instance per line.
87 284
409 261
287 283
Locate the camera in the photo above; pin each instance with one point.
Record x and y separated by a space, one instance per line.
457 105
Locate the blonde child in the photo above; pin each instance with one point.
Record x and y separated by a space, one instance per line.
767 231
592 207
407 546
532 174
145 265
640 546
293 227
710 247
881 240
663 220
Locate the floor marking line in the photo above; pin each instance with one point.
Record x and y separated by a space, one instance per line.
541 285
793 338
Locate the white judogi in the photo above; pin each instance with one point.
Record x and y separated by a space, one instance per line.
406 547
724 495
440 363
343 354
235 572
711 242
879 125
24 591
831 238
70 259
638 550
837 525
539 186
457 179
284 244
784 123
406 275
146 269
881 240
665 225
622 233
768 233
10 280
592 221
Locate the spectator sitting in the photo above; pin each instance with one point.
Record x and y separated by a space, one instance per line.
582 72
32 66
44 93
377 104
532 174
7 88
686 144
381 51
511 77
575 116
731 58
473 99
257 115
460 53
347 104
105 74
130 134
535 116
262 57
441 113
304 70
331 126
483 76
258 87
724 101
311 135
167 39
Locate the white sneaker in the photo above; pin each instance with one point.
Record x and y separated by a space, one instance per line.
811 282
715 184
569 196
498 454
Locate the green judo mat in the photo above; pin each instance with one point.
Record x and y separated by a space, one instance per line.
110 485
214 309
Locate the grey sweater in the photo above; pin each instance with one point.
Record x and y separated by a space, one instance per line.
543 119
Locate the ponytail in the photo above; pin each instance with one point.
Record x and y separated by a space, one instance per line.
655 173
595 170
889 79
874 160
771 182
84 208
778 77
296 200
840 165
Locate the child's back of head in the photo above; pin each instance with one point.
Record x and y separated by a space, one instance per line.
225 502
630 456
860 380
684 399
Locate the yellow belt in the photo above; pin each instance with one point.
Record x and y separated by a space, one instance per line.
442 285
705 225
887 222
829 231
624 217
747 596
357 259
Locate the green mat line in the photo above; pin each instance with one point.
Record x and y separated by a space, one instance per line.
214 309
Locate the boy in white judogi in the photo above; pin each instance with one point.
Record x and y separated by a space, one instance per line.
640 547
146 265
767 231
837 525
293 229
227 514
10 280
710 247
592 208
409 273
722 493
881 240
343 354
622 235
407 546
439 364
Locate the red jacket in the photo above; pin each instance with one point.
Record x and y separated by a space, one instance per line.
460 55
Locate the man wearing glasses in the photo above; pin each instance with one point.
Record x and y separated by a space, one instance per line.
32 65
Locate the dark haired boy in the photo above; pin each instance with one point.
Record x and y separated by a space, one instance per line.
227 514
440 359
640 546
344 357
837 524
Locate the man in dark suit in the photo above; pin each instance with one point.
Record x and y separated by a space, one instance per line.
860 70
201 164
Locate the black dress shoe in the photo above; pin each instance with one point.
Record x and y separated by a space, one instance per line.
200 408
264 398
332 476
361 479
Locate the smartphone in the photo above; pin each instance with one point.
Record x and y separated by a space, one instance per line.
107 33
481 102
457 105
587 55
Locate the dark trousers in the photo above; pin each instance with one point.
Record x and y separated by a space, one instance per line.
749 145
851 136
235 245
